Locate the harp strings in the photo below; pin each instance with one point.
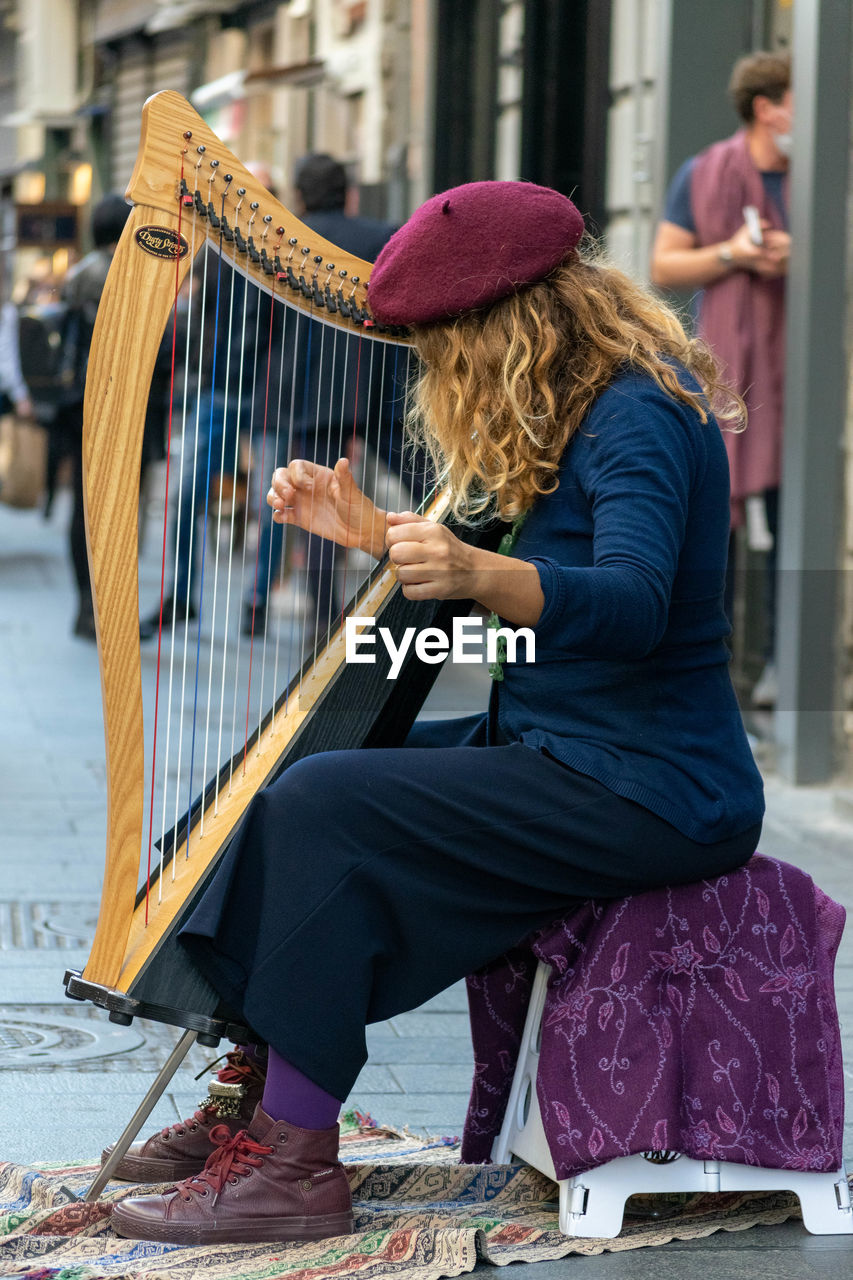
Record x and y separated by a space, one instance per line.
267 568
258 381
211 409
163 556
262 474
223 471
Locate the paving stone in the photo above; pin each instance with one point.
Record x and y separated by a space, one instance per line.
47 925
420 1050
36 977
421 1077
35 818
377 1079
433 1024
64 871
65 1128
131 1083
713 1259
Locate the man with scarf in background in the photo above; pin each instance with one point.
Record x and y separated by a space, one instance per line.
725 232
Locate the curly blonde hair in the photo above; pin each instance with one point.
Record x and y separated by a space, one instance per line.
501 391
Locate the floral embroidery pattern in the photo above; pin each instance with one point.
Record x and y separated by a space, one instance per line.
699 1018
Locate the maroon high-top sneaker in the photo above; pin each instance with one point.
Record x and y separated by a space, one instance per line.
183 1149
270 1182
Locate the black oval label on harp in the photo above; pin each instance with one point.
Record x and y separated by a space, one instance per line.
162 243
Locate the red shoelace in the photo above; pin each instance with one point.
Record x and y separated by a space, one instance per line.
236 1155
237 1070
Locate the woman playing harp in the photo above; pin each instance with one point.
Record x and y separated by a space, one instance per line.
554 392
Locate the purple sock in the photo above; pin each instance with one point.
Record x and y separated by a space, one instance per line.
291 1096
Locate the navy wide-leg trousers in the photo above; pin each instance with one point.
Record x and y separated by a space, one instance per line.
363 882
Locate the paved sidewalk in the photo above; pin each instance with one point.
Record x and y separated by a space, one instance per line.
69 1079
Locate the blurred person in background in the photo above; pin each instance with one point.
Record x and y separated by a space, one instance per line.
46 367
13 389
725 232
81 292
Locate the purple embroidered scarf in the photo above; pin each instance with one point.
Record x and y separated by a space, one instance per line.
699 1018
742 316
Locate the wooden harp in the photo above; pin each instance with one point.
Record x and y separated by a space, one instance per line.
198 211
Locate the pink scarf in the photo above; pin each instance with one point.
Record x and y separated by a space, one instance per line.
742 316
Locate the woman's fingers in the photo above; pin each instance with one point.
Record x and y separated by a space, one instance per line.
299 473
280 497
396 518
411 570
407 527
421 591
302 473
410 553
342 484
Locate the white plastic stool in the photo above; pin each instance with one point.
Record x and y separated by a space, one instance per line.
592 1203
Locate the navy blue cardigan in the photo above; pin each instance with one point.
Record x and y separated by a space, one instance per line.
631 683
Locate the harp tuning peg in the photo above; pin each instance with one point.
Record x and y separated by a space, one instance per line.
201 150
318 258
267 218
241 191
255 205
214 164
279 231
188 135
293 241
342 273
330 266
355 279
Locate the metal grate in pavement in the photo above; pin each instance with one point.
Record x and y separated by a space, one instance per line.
27 926
14 1037
81 1038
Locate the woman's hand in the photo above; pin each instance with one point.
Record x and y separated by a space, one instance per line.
327 502
431 562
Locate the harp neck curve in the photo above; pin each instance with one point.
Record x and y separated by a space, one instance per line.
270 244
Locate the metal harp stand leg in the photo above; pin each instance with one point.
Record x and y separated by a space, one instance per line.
142 1113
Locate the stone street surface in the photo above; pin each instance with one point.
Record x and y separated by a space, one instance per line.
70 1079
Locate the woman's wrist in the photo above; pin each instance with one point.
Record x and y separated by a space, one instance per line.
506 586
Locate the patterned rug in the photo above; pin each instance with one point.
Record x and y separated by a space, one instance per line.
417 1214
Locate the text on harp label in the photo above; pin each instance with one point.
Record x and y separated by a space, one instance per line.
161 242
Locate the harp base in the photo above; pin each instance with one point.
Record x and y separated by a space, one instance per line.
122 1009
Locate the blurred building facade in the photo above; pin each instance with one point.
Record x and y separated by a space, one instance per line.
602 99
415 95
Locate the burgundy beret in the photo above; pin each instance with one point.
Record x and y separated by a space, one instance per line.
469 246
